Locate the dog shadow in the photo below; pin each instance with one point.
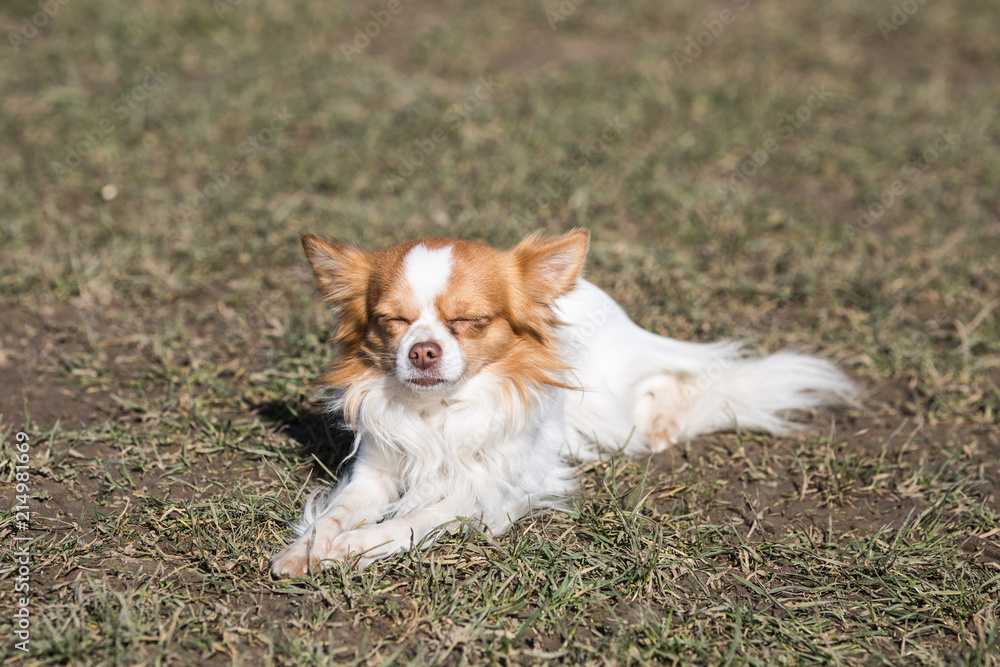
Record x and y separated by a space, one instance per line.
321 436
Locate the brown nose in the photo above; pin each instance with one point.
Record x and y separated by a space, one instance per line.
425 355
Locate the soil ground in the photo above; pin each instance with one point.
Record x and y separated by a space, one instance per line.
819 176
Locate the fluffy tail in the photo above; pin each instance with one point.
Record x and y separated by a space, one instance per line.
644 392
732 390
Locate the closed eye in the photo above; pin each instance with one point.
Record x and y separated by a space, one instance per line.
467 324
389 322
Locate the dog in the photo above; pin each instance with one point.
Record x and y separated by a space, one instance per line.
471 375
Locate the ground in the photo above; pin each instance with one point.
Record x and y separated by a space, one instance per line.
814 175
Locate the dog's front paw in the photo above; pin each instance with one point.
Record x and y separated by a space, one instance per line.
367 543
298 559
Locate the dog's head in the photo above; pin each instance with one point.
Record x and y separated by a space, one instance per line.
435 312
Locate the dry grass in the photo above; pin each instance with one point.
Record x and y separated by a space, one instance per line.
160 333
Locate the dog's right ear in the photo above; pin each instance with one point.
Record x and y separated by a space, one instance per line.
341 270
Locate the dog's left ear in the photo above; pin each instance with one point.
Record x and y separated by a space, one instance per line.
550 266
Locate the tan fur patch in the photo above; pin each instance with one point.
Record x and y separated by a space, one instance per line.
497 305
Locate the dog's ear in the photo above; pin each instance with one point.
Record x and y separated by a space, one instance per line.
550 266
342 271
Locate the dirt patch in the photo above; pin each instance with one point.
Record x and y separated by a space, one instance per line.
80 365
35 378
871 476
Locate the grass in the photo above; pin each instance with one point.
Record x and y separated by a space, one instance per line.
808 179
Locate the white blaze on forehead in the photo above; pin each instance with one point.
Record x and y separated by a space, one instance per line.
427 271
